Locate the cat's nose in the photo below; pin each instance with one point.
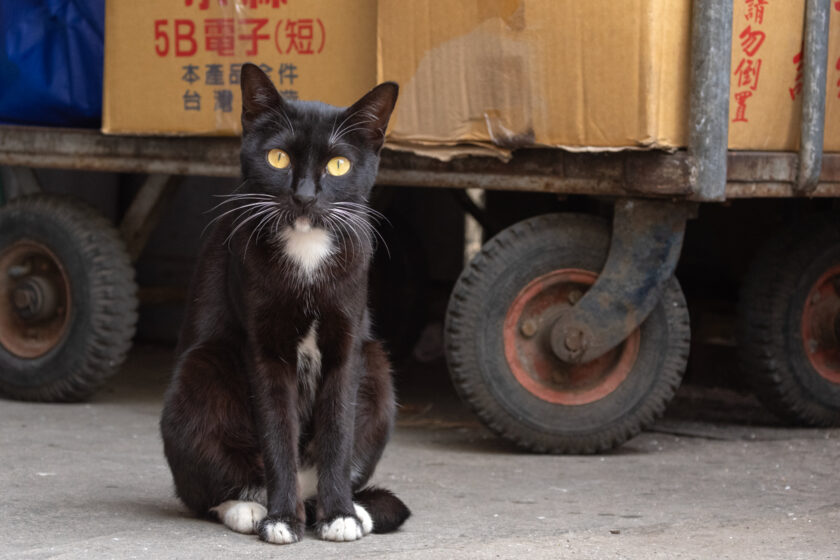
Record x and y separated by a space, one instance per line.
305 192
303 199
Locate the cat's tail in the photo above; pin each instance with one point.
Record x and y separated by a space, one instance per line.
386 510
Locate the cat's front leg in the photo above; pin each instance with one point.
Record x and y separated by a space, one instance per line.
275 395
338 519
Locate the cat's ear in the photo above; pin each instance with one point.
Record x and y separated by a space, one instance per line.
372 112
258 94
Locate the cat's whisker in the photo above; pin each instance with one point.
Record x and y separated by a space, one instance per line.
346 145
360 205
243 208
275 227
348 232
333 133
280 113
359 125
235 194
288 122
281 220
357 231
251 217
258 228
238 198
359 224
353 236
336 135
349 216
247 205
359 220
384 243
239 186
363 208
333 227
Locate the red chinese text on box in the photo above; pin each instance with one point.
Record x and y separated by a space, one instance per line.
751 40
180 38
837 65
251 4
741 107
300 35
219 36
254 37
305 36
755 10
748 69
797 82
747 72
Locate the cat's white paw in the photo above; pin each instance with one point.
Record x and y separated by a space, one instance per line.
364 516
341 529
278 532
242 517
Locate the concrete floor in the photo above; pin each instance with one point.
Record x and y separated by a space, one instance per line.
716 479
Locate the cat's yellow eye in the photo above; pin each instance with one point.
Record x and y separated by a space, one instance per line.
278 158
338 166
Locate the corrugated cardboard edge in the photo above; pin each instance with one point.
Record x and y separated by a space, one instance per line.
175 134
448 152
107 116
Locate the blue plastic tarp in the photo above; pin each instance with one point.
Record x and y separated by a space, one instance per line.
51 60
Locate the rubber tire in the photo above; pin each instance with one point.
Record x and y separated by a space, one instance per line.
771 303
103 292
475 349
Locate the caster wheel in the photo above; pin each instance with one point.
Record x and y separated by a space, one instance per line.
789 323
67 299
498 346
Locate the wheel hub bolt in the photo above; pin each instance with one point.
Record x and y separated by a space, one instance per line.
574 296
18 271
22 299
34 299
529 328
574 340
27 301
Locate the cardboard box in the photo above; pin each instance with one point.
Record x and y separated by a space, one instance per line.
765 99
172 66
483 76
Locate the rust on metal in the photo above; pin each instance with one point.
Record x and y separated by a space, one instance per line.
821 325
531 359
644 248
35 301
658 173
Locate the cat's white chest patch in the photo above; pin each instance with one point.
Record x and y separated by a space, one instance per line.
307 246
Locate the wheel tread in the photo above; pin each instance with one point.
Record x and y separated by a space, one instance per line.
462 315
112 296
762 315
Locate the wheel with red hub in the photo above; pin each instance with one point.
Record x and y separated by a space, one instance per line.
498 342
789 323
67 299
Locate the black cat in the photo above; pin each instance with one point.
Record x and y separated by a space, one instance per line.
281 403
